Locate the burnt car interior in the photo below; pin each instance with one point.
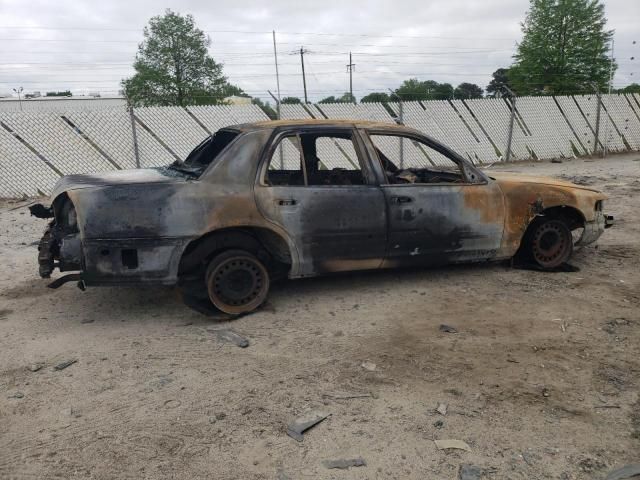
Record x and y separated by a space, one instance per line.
414 162
301 154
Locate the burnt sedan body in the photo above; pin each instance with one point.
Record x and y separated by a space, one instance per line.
254 202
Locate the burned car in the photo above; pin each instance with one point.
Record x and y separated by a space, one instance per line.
261 201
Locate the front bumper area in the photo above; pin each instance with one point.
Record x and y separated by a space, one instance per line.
593 230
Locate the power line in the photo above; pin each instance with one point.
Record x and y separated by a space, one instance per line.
254 32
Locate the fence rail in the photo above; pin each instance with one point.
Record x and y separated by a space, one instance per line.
37 147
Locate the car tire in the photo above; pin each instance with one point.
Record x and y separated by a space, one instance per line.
237 282
550 243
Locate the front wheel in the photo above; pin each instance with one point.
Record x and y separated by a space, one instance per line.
237 282
550 243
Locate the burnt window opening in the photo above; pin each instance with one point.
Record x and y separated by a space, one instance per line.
406 160
315 159
209 149
130 258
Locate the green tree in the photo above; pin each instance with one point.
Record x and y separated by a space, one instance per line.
379 97
632 88
290 100
467 90
442 91
500 80
229 90
345 98
564 48
266 108
173 66
414 89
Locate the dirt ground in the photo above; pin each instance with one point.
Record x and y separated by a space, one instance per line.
541 380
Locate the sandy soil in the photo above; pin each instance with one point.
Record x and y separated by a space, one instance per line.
541 380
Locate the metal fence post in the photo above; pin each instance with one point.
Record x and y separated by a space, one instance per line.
511 120
401 118
596 138
136 152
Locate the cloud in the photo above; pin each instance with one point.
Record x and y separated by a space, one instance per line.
90 46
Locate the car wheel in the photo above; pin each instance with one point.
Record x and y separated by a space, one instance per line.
237 282
551 243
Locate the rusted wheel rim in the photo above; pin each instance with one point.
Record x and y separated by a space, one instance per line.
238 284
551 244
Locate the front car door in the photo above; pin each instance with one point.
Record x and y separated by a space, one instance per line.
440 208
317 184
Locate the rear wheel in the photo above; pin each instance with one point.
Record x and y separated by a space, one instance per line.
237 282
550 243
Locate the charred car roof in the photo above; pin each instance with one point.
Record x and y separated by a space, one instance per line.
273 124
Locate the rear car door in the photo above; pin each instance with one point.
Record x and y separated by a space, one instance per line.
317 184
440 209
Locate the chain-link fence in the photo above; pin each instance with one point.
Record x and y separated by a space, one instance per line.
37 147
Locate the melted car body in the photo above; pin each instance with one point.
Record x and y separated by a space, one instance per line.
299 199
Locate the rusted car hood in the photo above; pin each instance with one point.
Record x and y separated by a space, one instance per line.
119 177
512 179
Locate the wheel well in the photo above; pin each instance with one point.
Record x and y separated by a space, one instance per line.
572 216
267 245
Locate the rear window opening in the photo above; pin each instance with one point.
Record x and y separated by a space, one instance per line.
209 149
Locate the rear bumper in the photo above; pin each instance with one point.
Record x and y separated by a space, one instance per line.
109 262
57 250
593 230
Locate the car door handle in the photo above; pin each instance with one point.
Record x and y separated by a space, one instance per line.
284 202
402 199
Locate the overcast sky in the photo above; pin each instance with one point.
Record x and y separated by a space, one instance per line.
88 46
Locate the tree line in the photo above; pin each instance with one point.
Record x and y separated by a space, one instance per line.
564 50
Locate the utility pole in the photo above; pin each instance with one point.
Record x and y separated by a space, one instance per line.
350 68
304 78
19 91
275 57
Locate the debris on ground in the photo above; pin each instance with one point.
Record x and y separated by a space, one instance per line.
346 396
438 424
453 444
227 335
448 329
301 424
87 320
34 367
628 471
345 463
65 364
442 409
16 395
370 366
470 472
530 458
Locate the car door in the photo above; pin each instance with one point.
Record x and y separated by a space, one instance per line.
440 209
317 185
